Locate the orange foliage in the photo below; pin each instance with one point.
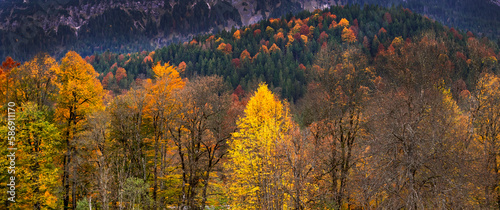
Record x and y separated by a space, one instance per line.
274 48
120 74
274 21
225 48
301 66
382 30
147 59
193 42
237 34
115 65
105 80
264 49
348 35
279 35
182 66
210 38
245 54
333 24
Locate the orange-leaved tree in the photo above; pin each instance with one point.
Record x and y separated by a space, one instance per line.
161 107
80 93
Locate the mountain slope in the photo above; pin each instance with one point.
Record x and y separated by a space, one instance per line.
90 26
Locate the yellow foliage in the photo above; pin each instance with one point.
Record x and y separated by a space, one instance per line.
397 42
304 38
290 40
343 23
269 31
253 155
237 34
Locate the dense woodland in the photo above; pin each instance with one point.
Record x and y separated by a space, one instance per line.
345 108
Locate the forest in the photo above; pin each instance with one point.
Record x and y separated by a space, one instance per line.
344 108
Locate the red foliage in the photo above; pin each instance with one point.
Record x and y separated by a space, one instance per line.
8 64
461 56
228 48
296 36
355 22
236 62
323 37
456 34
388 17
469 34
407 41
239 91
381 48
257 32
304 30
90 59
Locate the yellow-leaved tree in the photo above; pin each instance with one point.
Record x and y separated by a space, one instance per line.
258 177
80 93
486 119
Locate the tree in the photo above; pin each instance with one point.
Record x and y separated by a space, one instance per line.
486 118
161 107
5 80
257 179
35 81
37 169
127 132
343 23
345 79
120 74
348 35
237 34
200 135
80 93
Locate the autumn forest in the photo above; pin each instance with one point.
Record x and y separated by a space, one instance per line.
354 107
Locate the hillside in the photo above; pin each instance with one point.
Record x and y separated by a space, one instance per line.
87 26
280 52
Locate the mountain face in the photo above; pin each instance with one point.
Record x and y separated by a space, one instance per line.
90 26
